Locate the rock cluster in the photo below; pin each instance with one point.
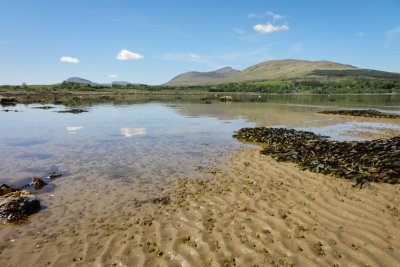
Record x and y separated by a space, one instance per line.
16 204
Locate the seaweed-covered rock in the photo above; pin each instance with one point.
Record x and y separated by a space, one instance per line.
8 100
5 189
38 183
372 161
362 113
73 111
16 208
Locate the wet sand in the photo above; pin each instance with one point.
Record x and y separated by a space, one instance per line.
252 211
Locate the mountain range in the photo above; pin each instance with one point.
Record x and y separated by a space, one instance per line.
287 69
278 70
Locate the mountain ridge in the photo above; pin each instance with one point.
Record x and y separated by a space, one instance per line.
279 70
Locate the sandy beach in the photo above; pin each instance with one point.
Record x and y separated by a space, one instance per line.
253 211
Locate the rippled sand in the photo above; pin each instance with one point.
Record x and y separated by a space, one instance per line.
253 211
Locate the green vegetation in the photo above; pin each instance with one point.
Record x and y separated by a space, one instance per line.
357 73
298 86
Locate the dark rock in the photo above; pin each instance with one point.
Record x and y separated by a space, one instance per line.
9 110
16 208
44 107
54 175
8 100
38 183
161 200
73 111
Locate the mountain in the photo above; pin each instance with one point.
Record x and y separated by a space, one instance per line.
79 80
287 69
280 70
120 83
195 77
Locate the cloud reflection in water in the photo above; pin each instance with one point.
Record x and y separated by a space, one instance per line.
73 129
129 132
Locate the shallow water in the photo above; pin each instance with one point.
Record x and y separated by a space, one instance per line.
154 142
115 154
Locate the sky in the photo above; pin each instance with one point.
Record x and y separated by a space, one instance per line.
48 41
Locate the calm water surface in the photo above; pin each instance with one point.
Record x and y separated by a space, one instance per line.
153 142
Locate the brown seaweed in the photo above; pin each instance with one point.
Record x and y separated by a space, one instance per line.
370 113
363 162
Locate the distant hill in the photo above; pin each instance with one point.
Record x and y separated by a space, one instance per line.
280 70
120 83
79 80
195 77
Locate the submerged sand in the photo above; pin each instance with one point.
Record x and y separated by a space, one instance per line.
253 211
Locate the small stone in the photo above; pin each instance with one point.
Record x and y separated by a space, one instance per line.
54 175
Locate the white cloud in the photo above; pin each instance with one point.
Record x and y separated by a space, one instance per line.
271 14
239 31
128 55
72 60
360 34
113 76
269 28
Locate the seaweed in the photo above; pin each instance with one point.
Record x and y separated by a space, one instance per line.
370 113
363 162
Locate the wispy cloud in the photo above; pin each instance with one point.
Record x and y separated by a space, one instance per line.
5 42
390 35
128 55
71 60
393 32
113 76
297 48
360 34
239 31
269 28
192 57
266 14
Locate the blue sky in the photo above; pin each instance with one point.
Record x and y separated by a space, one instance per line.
47 41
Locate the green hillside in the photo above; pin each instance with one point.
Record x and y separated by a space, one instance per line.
279 70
